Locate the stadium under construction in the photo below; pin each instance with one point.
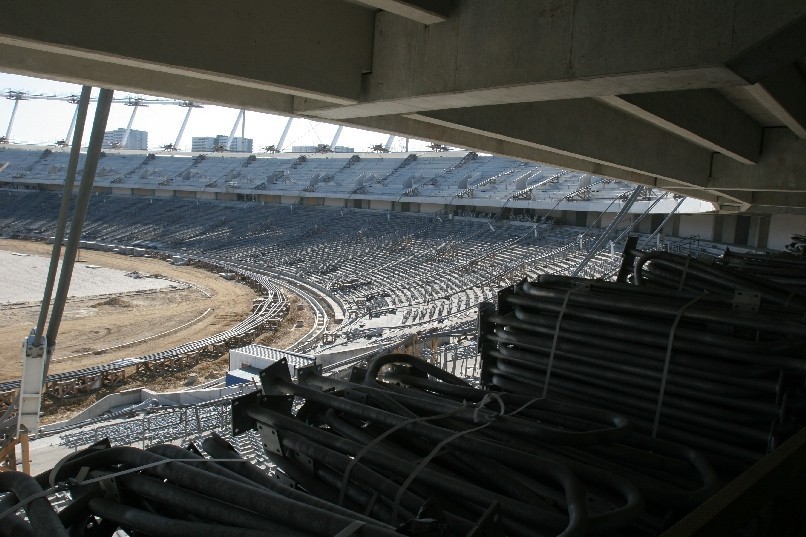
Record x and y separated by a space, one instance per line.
610 342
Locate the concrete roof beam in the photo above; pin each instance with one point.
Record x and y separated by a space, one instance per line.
783 94
589 130
780 170
703 117
315 48
422 11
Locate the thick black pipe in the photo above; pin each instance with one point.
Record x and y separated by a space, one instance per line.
602 418
512 424
641 402
76 512
276 506
560 413
360 473
14 526
534 465
249 475
495 475
307 480
129 518
706 444
375 505
403 468
691 363
332 458
374 367
534 352
728 347
361 435
629 360
201 506
44 520
518 361
637 304
718 276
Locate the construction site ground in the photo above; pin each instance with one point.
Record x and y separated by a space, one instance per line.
99 329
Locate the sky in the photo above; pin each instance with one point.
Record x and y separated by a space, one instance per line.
44 122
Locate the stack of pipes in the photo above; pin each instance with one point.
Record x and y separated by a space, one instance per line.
705 369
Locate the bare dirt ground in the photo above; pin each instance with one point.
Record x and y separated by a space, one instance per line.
93 325
285 335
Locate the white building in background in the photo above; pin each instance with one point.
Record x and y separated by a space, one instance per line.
203 144
315 149
136 140
208 144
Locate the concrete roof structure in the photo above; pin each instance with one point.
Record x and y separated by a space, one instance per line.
707 99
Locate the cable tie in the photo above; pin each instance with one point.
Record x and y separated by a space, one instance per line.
684 273
667 361
557 336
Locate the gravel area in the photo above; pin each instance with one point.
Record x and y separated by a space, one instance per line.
22 279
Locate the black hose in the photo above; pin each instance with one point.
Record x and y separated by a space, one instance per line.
43 519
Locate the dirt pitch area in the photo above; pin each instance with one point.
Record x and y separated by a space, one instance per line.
97 330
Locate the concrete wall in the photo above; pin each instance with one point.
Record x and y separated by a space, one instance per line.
431 207
380 205
782 226
118 191
697 224
205 195
334 202
164 193
142 191
287 200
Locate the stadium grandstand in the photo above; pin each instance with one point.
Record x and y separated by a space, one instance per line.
590 321
382 246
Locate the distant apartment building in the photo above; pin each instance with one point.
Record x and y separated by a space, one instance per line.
136 139
208 144
317 149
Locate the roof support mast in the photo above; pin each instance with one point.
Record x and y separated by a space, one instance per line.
136 102
73 122
336 138
16 96
285 133
234 129
190 106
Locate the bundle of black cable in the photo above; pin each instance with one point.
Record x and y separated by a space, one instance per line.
167 491
775 286
781 267
429 454
682 366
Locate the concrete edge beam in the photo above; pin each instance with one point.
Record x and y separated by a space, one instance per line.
774 52
202 89
781 168
424 12
703 117
315 48
784 95
681 79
